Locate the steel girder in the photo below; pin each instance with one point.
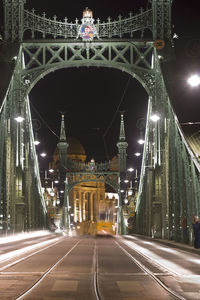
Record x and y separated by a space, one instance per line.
169 184
22 205
133 57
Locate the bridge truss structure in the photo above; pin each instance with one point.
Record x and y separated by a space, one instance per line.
140 45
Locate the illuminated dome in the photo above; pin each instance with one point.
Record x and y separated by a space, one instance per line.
75 146
114 165
75 151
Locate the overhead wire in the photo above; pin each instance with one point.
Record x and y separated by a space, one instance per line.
114 116
45 123
107 129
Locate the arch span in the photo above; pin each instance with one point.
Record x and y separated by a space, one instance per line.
114 185
132 58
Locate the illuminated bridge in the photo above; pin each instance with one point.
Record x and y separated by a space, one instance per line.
158 261
34 46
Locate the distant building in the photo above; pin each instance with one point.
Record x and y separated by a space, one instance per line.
88 200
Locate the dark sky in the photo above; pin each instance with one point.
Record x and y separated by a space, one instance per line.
90 96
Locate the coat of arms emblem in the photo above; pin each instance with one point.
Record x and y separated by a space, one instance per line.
87 30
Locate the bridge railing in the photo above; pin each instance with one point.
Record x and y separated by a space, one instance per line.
64 29
88 167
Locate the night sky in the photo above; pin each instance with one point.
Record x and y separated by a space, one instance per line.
90 96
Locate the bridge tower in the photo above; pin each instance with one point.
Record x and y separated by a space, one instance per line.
122 147
62 147
122 153
14 20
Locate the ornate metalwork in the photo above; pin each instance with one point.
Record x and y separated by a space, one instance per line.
109 29
155 20
88 167
111 178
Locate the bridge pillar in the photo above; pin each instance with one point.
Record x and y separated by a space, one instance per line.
14 20
161 19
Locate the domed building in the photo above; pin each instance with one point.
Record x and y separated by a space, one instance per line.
90 207
88 199
75 152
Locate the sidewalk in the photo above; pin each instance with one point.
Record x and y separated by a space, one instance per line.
170 243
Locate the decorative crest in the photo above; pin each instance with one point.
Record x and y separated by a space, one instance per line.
87 13
87 31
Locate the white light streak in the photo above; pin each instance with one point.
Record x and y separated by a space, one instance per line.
19 237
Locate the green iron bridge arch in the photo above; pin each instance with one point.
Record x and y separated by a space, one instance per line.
127 56
169 190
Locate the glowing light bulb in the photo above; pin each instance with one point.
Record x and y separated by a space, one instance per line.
194 80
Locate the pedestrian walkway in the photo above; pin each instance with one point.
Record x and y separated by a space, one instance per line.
172 244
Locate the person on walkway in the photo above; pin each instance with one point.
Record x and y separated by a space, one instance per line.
196 229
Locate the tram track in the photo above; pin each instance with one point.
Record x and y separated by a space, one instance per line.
44 275
97 273
29 255
150 273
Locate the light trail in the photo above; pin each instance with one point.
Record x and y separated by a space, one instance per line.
23 236
164 263
7 256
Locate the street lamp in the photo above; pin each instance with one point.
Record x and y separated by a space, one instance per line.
137 154
141 141
194 80
19 119
43 154
125 200
36 141
155 117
